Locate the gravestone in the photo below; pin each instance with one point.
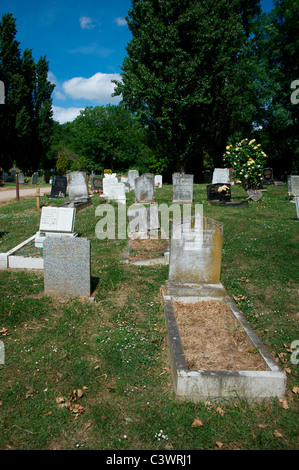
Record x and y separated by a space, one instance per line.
67 266
116 192
195 251
107 182
46 177
219 192
158 181
221 175
145 188
267 174
297 206
132 175
34 178
143 221
55 221
5 177
96 184
77 186
293 186
13 174
21 178
182 188
255 195
58 188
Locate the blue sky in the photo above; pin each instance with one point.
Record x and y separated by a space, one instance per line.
84 42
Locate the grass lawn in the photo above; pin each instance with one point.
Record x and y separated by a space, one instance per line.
95 375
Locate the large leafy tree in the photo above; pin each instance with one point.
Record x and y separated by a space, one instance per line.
183 74
26 117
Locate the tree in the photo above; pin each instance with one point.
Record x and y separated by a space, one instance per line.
26 117
182 74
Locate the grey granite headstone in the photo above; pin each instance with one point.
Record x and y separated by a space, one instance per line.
145 188
268 176
143 221
5 177
182 188
221 175
132 175
77 186
67 266
34 178
21 178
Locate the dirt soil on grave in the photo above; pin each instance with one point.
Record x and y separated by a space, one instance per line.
213 339
29 250
146 249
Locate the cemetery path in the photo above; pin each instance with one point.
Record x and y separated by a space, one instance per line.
6 194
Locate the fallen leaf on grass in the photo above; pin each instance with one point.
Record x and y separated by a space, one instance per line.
220 411
4 332
284 403
197 422
295 389
277 433
219 444
29 392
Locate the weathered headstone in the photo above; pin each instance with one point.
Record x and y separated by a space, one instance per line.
34 178
116 192
182 188
107 182
67 266
96 183
5 177
58 188
158 181
13 174
254 194
55 221
77 186
46 177
143 221
145 188
293 187
297 206
219 192
21 178
221 175
267 174
132 175
195 251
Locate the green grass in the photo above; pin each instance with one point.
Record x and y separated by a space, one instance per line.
115 351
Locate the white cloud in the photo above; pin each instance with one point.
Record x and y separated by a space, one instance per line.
63 115
120 21
97 88
52 77
86 22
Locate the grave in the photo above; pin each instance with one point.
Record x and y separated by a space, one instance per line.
67 266
208 363
267 174
221 175
293 187
297 206
108 181
58 188
132 175
21 178
96 183
158 181
55 221
220 195
116 192
182 188
143 221
34 178
5 177
77 187
145 188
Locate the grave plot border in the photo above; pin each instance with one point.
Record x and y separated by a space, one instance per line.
9 261
202 385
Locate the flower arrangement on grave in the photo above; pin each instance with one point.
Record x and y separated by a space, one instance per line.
107 172
223 190
247 160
